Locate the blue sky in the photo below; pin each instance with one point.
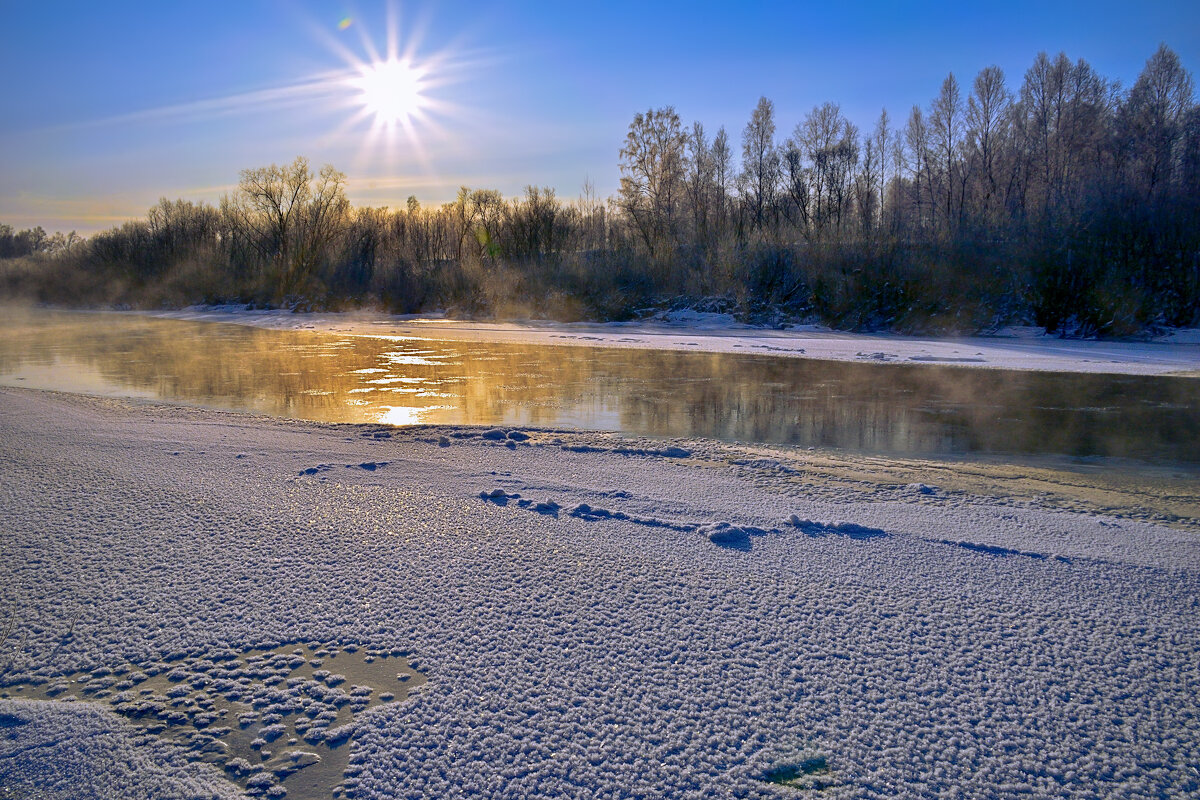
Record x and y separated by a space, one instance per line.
109 106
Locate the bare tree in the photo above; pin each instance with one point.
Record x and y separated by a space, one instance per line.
265 204
945 122
829 143
760 162
290 217
532 227
1042 107
797 177
652 170
882 137
916 158
1152 121
866 197
592 219
1190 162
700 183
986 123
723 178
321 220
476 215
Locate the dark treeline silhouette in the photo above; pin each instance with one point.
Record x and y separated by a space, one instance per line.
1069 203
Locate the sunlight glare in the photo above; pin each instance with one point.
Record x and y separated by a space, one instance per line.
391 90
408 415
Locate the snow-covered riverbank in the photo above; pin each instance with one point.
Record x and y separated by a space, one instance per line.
613 617
1017 348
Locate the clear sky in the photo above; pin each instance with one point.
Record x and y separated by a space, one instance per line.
110 105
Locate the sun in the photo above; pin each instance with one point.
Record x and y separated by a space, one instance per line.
395 95
391 90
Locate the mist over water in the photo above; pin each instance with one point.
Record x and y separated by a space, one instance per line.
885 409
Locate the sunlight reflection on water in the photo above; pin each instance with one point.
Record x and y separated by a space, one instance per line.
888 409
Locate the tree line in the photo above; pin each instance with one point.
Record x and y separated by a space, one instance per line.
1068 202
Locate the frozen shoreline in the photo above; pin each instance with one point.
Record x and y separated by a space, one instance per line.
923 627
1018 348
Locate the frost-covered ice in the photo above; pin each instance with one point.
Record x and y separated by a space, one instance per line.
1010 348
599 640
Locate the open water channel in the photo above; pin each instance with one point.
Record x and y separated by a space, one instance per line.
884 409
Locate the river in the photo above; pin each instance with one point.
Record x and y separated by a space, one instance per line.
880 409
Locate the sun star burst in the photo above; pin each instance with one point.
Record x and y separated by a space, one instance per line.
391 90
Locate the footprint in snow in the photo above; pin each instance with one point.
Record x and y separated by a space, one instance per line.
548 508
730 537
498 496
722 534
1003 552
847 529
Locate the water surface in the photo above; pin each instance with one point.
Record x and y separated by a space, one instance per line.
887 409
